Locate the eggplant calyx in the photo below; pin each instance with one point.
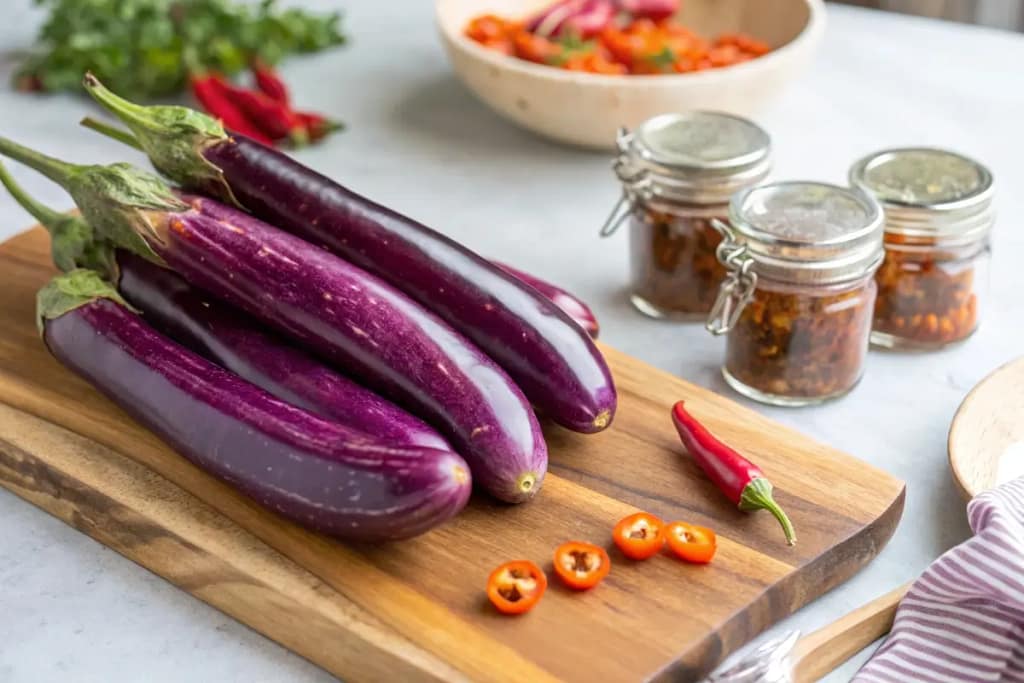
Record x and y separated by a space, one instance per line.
72 241
116 200
173 138
71 290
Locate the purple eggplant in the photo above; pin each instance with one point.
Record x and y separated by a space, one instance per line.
226 336
554 361
320 474
386 340
234 341
575 308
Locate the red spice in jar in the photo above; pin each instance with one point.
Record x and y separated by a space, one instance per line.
675 270
795 343
926 297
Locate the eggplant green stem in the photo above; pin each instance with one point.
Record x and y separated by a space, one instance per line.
56 170
111 131
174 139
41 213
71 290
757 495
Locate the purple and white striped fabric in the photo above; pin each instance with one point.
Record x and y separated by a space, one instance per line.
963 620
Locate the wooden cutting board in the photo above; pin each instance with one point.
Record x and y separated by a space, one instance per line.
416 610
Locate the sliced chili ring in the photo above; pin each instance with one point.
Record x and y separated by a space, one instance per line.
639 536
581 565
515 587
691 543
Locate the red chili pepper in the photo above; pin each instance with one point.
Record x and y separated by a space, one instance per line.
639 536
269 81
208 91
691 543
318 126
581 565
515 587
738 478
274 118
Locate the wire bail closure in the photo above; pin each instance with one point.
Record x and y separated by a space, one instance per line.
738 288
636 184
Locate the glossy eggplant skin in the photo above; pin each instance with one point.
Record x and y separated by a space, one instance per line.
320 474
574 307
238 343
554 362
384 340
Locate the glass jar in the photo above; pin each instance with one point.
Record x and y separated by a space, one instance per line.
798 300
938 221
678 172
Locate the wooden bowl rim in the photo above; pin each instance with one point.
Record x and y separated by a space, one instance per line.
967 404
811 31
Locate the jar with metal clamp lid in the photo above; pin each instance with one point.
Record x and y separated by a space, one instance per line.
797 303
678 172
938 221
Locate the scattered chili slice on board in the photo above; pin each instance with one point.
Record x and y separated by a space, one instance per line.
581 565
515 587
738 478
639 536
691 543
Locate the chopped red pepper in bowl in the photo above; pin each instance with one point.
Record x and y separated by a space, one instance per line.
641 38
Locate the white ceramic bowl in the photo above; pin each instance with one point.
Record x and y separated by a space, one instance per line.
587 109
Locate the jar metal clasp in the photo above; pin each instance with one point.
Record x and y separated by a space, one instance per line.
636 184
738 287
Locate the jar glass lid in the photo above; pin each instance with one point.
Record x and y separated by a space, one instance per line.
702 140
808 232
699 156
929 193
923 177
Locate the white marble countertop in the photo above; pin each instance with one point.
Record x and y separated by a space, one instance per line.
72 610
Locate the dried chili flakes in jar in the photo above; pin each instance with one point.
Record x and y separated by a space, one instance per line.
938 220
678 172
797 304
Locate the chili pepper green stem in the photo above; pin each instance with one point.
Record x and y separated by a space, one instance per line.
111 131
56 170
757 495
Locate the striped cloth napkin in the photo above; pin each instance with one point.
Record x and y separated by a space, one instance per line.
963 620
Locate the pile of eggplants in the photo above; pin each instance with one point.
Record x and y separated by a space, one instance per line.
353 389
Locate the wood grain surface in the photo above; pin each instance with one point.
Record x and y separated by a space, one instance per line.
986 438
417 609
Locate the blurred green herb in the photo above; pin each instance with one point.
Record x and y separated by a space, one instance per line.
662 60
139 47
573 45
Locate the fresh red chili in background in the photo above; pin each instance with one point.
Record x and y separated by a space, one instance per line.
639 536
274 118
738 478
691 543
206 88
515 587
581 565
318 126
270 82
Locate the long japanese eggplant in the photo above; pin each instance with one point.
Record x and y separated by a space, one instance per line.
234 341
315 472
385 339
574 307
226 336
550 358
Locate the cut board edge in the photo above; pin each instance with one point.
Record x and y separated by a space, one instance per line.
151 521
